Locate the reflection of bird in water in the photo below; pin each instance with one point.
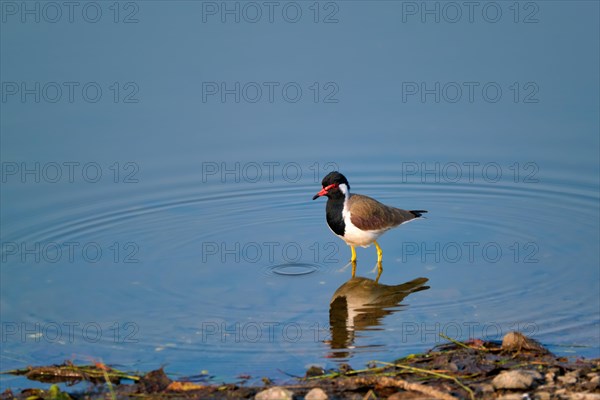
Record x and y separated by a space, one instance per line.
360 304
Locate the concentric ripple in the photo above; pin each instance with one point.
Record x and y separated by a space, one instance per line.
243 274
292 269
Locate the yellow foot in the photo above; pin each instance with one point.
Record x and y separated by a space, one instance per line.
379 252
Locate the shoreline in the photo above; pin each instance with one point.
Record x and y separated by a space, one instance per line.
518 368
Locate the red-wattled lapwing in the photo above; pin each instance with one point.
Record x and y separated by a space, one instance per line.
359 220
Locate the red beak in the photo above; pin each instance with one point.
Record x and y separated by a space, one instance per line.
324 191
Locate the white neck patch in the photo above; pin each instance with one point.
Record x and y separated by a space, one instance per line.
344 189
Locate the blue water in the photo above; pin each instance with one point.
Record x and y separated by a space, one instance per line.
169 221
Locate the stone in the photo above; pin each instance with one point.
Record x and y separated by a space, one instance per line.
516 379
316 394
275 393
345 368
484 388
593 383
550 375
583 396
354 396
514 396
314 370
154 381
452 367
546 388
542 396
536 375
567 379
403 395
516 341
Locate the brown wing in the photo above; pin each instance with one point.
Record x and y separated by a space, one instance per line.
369 214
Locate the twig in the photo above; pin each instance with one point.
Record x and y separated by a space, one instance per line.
402 384
113 395
436 374
466 346
69 372
456 342
349 373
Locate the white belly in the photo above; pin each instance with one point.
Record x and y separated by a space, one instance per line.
356 237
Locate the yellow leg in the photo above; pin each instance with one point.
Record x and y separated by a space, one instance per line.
379 252
379 271
353 268
353 259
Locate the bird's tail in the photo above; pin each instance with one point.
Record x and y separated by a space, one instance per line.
417 213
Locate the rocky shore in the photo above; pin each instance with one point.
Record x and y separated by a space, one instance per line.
517 369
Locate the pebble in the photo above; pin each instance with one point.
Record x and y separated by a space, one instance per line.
517 379
594 381
583 396
314 370
275 393
516 341
316 394
536 375
354 396
515 396
345 368
542 396
409 396
484 388
550 375
452 367
568 379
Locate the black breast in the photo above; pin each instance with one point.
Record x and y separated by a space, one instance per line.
335 219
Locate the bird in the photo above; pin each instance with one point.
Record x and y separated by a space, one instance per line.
357 219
